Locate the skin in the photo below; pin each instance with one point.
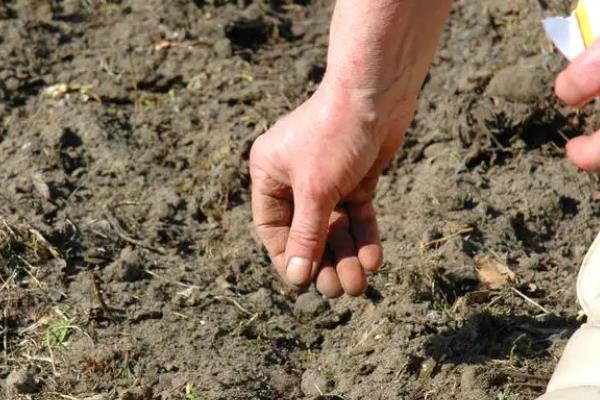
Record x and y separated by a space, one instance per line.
315 171
577 85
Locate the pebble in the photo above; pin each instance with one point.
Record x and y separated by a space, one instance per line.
12 84
223 48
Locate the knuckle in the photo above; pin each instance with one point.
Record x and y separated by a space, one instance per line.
321 193
305 235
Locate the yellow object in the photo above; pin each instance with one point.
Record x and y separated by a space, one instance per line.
588 18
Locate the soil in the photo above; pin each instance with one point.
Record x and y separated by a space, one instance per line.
129 268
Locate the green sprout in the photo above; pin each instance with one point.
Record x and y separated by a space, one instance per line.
191 393
57 334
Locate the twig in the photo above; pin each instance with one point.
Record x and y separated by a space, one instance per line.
530 301
494 301
36 358
522 375
562 135
318 389
464 231
51 249
28 270
98 293
5 335
125 236
54 371
8 281
63 396
235 303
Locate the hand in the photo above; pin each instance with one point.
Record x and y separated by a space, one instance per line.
314 174
577 84
315 171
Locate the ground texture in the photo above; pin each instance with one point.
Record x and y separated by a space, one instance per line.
128 264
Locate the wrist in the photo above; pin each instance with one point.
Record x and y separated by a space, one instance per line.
373 108
392 101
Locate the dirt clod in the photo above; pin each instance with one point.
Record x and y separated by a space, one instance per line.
128 267
125 129
137 393
523 82
22 381
309 305
314 383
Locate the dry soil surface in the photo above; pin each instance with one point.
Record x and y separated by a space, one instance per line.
129 268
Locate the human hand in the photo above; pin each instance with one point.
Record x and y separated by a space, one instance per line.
577 84
313 175
315 171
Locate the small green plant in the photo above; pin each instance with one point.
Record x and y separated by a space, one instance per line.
244 325
453 153
247 77
172 94
57 333
126 369
521 347
191 393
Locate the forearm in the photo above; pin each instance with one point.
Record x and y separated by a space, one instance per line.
382 49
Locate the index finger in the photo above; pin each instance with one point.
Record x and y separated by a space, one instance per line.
272 214
580 81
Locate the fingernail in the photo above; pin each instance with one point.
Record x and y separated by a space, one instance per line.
298 271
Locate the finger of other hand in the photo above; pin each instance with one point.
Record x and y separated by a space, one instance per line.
584 151
580 81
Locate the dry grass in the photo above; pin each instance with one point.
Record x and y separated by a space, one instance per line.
23 252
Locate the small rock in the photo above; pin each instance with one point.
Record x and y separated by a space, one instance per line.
22 382
314 383
223 48
309 305
12 84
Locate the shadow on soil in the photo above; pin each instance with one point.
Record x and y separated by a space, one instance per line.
485 337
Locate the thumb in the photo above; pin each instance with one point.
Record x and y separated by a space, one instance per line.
584 151
307 237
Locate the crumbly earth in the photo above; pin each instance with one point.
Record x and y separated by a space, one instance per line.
129 268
